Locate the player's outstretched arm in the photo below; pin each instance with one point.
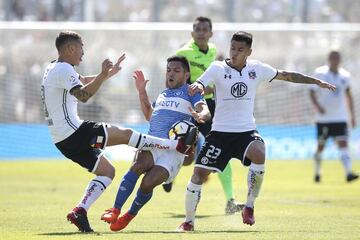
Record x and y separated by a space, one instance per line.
140 84
196 87
84 93
296 77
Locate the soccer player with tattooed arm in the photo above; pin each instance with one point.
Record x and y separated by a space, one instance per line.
82 141
200 53
233 133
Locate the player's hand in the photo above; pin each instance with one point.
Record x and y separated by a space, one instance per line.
324 84
197 116
116 67
196 87
140 81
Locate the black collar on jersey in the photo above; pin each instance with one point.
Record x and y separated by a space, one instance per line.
227 61
63 62
204 51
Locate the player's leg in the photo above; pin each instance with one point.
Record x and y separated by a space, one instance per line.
232 206
322 135
104 172
143 161
192 198
154 177
255 152
214 156
81 148
117 135
345 158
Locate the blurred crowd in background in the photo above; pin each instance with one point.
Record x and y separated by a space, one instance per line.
24 53
181 10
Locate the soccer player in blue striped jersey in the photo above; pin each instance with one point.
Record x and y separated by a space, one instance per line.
159 166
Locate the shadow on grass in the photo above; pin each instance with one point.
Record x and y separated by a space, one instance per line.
142 232
68 233
173 232
175 215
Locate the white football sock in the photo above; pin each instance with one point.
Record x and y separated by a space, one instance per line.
345 159
192 198
317 163
255 179
147 142
93 191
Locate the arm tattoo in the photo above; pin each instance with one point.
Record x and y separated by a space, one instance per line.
297 77
81 94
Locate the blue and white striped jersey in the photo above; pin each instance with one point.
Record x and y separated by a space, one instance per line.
172 105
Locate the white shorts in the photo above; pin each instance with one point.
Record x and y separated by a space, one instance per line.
172 161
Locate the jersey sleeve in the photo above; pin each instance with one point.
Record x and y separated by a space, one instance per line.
196 99
268 73
69 78
209 76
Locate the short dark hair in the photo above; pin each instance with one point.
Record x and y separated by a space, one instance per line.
65 37
184 62
243 37
202 19
334 52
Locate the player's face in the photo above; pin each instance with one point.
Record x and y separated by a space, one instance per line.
239 51
175 75
77 52
201 33
334 60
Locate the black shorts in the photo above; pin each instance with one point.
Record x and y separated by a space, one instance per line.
205 128
83 146
220 147
336 130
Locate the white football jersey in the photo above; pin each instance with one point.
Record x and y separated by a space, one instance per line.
60 106
334 103
235 93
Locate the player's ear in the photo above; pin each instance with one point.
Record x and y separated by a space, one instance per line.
187 75
211 34
250 51
192 34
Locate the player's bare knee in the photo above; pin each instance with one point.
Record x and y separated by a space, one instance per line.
188 161
256 153
147 186
200 176
138 168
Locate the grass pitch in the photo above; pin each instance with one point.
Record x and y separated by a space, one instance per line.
35 197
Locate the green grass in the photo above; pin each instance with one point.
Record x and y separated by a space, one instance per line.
35 197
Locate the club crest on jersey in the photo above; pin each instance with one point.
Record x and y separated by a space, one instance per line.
252 74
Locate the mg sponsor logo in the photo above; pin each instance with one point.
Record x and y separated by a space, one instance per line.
239 89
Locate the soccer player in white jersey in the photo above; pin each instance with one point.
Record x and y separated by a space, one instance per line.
233 133
332 116
172 105
82 141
